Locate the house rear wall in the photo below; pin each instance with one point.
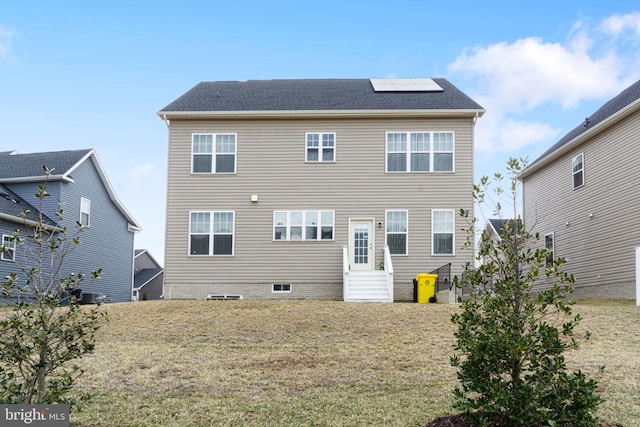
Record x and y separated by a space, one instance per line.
271 164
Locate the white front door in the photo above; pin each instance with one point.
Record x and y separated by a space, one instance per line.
361 244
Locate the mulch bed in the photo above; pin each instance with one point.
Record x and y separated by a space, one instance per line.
458 421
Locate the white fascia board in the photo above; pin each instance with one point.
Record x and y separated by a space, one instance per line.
133 224
29 222
167 115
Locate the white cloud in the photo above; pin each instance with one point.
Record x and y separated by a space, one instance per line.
617 24
6 39
527 73
521 82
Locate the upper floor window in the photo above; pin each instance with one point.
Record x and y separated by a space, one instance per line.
442 232
549 245
303 225
85 212
321 147
211 233
577 167
8 246
213 153
397 232
420 151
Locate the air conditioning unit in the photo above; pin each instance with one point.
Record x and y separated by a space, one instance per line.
224 297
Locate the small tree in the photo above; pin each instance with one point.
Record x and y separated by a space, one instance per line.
511 340
41 340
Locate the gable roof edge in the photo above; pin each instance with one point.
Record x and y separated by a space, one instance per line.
134 226
581 138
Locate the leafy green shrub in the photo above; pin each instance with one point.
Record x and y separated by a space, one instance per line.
510 340
40 339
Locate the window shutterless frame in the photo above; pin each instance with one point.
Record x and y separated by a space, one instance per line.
85 212
211 233
9 246
419 152
213 153
320 147
303 225
577 170
442 232
397 231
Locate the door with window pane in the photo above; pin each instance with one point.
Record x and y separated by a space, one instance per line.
361 244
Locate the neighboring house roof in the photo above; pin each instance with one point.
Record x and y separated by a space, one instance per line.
19 168
619 107
145 276
499 225
13 207
315 95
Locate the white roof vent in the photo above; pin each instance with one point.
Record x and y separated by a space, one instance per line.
405 85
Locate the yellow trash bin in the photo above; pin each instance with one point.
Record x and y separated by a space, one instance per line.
426 287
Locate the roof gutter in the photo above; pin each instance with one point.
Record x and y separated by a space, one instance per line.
277 114
29 222
584 136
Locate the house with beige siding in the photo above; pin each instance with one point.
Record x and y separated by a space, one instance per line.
335 189
583 194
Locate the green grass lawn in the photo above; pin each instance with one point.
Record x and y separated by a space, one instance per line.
312 363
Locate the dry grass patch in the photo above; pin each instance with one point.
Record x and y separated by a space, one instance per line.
295 363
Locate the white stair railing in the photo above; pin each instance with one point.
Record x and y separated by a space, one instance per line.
345 273
388 270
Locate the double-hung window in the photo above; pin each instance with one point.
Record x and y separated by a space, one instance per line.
397 232
549 246
211 233
577 168
321 147
85 212
442 232
419 151
303 225
8 245
213 153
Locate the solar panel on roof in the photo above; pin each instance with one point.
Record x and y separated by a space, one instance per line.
405 85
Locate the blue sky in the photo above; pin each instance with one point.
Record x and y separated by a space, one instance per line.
93 74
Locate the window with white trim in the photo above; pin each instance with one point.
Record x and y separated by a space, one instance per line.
281 288
8 252
303 225
396 232
320 147
213 153
549 245
85 212
442 232
211 233
419 151
577 170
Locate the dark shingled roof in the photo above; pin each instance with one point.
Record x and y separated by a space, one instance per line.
30 164
623 99
314 95
142 277
500 224
14 205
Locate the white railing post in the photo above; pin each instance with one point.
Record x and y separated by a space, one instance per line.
388 271
345 273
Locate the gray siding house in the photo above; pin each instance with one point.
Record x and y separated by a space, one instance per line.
148 277
80 184
336 189
582 195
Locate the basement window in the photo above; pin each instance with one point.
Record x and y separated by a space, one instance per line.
281 288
